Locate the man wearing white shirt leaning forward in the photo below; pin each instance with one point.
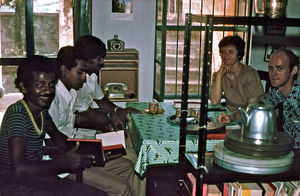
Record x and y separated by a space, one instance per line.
71 114
92 51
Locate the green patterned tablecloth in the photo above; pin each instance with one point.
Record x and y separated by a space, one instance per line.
155 140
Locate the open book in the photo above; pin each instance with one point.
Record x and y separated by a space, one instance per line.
113 144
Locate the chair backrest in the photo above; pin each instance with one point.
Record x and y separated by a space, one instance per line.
264 76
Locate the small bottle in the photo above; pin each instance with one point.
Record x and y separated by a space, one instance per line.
115 44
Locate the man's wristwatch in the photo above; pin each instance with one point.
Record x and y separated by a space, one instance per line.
115 109
109 115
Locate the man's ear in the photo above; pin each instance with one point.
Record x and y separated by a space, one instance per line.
63 70
295 70
22 88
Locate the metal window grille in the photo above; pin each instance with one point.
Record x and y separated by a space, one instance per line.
169 42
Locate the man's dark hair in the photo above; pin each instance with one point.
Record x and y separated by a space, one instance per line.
65 57
293 59
235 40
88 47
32 64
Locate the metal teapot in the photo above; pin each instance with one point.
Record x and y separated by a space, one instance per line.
259 122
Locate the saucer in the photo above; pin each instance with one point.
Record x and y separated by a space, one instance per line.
192 126
160 111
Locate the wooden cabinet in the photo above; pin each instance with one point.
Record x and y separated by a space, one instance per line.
121 67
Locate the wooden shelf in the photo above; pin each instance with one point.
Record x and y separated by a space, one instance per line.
165 178
215 174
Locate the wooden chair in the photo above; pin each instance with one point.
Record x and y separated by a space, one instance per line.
264 76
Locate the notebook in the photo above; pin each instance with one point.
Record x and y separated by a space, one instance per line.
92 147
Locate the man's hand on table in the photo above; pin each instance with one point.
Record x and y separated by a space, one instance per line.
223 118
109 128
123 112
120 119
133 110
118 122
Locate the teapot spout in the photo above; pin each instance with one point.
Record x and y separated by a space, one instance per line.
244 116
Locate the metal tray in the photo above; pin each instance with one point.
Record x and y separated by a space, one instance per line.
172 119
193 127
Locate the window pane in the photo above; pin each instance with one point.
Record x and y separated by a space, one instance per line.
9 74
12 34
159 11
178 8
197 49
7 86
174 62
12 24
158 45
157 78
174 12
53 25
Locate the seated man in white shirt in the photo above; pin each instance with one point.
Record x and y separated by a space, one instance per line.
72 116
116 177
90 98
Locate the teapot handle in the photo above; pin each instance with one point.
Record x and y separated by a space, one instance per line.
280 118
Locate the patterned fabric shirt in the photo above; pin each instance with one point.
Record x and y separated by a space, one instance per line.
18 122
291 109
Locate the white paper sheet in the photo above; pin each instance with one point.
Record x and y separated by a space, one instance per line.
112 138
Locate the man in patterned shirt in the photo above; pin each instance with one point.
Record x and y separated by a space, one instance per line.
283 71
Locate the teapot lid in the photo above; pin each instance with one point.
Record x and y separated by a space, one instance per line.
261 106
266 106
258 106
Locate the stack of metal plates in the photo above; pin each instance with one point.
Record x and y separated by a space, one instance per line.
251 164
279 146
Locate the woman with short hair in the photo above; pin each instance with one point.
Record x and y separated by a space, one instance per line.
240 83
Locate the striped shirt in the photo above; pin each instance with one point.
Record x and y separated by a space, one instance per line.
18 122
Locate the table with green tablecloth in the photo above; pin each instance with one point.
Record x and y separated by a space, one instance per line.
156 140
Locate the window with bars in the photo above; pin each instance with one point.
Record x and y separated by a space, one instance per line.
170 20
36 27
52 23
